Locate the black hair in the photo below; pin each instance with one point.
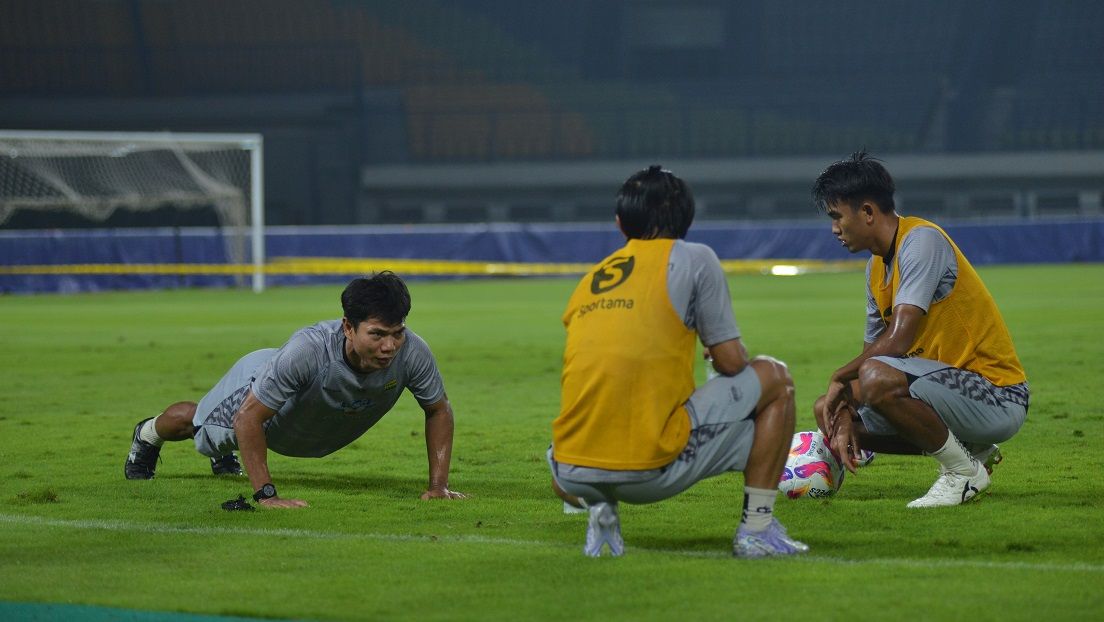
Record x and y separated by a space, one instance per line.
854 180
382 296
654 203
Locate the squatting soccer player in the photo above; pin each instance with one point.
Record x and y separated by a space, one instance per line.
321 391
632 427
938 373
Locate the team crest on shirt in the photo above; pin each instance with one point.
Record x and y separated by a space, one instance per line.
611 274
391 384
356 406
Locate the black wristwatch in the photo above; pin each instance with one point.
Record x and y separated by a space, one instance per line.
266 492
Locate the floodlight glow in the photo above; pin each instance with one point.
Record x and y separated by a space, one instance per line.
784 270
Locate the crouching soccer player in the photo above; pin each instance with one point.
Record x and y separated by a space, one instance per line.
938 373
632 427
322 390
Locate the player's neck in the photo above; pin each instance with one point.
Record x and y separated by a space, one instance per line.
351 358
885 236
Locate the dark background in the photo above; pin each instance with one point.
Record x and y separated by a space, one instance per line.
345 91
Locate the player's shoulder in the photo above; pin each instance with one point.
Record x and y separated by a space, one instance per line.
925 231
416 350
321 332
693 253
924 239
695 248
414 337
321 339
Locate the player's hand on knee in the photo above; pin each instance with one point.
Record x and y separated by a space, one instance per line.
277 502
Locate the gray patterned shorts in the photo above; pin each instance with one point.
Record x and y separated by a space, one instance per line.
974 409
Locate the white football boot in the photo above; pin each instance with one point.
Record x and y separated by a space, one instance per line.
954 488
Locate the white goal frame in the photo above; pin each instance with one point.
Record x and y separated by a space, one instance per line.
252 143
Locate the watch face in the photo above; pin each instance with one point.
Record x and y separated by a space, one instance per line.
268 490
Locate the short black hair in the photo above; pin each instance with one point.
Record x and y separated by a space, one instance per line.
654 203
382 296
854 180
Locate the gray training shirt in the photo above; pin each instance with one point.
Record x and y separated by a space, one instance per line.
698 290
322 404
928 273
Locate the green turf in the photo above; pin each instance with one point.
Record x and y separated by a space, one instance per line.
79 371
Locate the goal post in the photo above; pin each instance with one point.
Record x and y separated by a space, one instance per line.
96 173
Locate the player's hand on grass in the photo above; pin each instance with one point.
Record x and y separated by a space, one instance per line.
442 493
843 439
277 502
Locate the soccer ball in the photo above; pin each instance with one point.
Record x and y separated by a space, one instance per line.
812 469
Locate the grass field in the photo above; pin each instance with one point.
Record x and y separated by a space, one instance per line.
79 371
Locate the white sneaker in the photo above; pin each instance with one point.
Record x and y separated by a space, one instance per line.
954 488
603 528
770 542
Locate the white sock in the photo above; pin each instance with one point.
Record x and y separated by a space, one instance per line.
148 433
758 507
954 457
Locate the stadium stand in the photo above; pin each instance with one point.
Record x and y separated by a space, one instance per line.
470 82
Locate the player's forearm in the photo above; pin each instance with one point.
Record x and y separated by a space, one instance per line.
254 450
439 430
728 357
884 345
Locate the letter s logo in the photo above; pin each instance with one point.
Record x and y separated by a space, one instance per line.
611 274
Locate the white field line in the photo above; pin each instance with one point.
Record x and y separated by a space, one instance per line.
113 525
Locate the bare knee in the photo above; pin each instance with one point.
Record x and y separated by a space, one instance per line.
774 379
880 383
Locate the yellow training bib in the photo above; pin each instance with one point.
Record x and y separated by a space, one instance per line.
628 365
965 329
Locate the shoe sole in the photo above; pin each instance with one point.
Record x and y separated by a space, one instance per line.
992 460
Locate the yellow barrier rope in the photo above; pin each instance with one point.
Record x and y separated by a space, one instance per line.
324 265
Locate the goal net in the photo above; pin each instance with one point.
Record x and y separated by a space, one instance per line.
94 174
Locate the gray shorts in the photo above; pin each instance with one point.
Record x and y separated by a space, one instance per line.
214 417
722 429
974 409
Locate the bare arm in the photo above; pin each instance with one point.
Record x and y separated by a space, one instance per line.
729 357
438 432
249 429
893 342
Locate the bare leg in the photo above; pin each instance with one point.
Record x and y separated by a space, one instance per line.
873 442
774 424
886 390
886 444
175 424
